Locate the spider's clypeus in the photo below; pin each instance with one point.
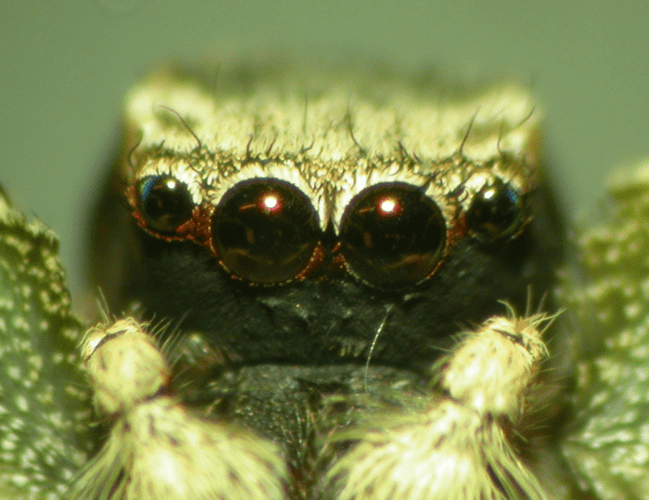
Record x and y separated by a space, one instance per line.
327 285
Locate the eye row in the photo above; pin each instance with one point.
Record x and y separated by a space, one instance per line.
266 231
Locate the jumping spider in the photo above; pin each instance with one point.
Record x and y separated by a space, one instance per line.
326 283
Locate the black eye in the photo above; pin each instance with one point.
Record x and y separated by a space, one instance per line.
165 203
392 235
265 230
496 211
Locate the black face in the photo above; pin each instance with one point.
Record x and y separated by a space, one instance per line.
282 291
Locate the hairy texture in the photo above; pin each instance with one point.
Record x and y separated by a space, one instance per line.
157 449
333 126
160 451
124 366
504 356
458 449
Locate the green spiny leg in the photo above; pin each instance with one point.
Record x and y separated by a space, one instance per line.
607 443
45 413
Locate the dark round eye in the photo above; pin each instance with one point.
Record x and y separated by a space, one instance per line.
265 230
392 234
165 203
496 211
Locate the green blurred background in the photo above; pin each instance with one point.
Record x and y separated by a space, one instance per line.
65 65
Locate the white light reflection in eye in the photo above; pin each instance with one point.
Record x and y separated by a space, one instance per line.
388 206
271 202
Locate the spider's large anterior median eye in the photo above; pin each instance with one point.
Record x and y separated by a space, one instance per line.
496 211
164 202
265 230
392 234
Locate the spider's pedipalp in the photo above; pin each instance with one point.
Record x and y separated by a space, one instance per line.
158 449
123 364
457 448
491 368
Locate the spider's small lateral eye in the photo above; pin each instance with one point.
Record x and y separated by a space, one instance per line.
496 211
164 202
265 230
392 235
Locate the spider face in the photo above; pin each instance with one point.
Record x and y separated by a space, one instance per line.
319 246
307 228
